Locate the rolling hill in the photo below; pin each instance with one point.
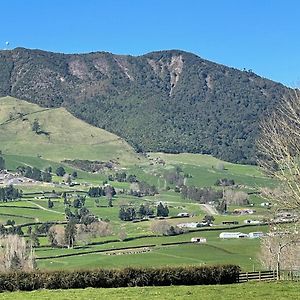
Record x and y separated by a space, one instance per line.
167 101
61 135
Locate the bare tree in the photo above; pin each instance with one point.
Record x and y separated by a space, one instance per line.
15 254
280 249
235 197
56 236
279 151
96 229
122 234
160 227
279 156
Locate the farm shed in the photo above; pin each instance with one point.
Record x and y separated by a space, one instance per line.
183 214
200 240
232 235
255 235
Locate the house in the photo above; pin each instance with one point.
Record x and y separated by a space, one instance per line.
232 235
199 240
252 221
183 215
243 211
188 225
265 204
203 224
255 235
230 222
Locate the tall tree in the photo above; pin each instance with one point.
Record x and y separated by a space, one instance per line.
70 233
279 150
2 163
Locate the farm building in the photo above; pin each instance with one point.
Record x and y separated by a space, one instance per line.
244 211
230 222
232 235
255 235
252 221
183 214
200 240
188 225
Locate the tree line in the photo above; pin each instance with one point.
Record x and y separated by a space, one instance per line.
9 193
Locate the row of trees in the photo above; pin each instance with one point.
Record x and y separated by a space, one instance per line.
108 191
202 195
34 173
130 213
141 189
68 235
122 177
9 193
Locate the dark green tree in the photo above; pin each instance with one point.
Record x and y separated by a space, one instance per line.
50 203
60 171
2 163
36 126
70 234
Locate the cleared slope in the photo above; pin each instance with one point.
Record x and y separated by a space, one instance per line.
64 137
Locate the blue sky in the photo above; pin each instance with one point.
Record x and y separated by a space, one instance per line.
262 35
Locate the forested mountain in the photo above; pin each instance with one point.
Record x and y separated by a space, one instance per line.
169 101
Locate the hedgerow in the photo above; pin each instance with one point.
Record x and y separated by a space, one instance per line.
109 278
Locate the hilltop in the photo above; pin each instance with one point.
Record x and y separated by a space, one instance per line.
167 101
60 136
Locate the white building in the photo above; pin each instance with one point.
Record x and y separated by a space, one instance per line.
232 235
188 225
183 214
256 235
200 240
252 221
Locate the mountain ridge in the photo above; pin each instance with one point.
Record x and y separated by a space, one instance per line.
170 100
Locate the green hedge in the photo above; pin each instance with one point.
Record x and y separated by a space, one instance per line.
108 278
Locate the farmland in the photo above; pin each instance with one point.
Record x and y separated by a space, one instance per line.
141 246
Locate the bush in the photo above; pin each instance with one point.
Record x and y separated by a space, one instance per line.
101 278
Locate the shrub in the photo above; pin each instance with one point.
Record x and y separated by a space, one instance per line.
102 278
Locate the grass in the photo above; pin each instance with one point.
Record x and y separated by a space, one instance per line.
245 291
69 137
216 251
204 171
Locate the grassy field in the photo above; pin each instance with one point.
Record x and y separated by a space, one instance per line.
245 291
205 171
68 138
216 251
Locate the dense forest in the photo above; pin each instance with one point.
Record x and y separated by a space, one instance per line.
170 101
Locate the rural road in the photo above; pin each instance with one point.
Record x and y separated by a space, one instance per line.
209 209
43 208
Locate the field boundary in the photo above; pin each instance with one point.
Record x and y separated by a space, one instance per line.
258 276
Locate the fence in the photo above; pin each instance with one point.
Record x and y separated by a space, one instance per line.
290 275
260 275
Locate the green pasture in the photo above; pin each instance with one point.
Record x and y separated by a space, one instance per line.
245 291
68 137
204 170
217 251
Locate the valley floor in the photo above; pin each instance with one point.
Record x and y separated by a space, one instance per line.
246 291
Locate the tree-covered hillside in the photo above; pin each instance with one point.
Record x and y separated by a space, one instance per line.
169 101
